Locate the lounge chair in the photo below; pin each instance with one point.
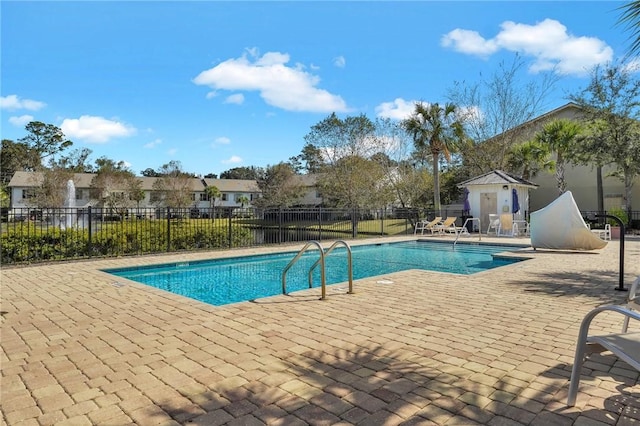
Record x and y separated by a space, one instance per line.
449 225
625 345
423 225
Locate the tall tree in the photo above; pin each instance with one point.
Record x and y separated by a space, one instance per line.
46 139
245 173
494 107
611 107
410 185
348 174
310 160
437 130
630 19
560 136
77 161
114 185
149 172
50 188
17 156
174 185
280 187
528 158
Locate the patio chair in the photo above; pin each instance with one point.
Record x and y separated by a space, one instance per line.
494 224
506 228
625 345
605 233
423 225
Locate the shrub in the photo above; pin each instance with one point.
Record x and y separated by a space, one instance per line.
621 214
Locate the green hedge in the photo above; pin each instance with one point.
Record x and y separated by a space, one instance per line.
28 243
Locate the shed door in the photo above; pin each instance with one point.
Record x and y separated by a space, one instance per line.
488 205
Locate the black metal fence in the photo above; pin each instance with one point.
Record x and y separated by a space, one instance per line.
35 235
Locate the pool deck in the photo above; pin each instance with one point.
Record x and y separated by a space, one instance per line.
82 347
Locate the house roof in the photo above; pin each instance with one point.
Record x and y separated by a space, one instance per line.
83 180
31 179
497 177
562 110
233 185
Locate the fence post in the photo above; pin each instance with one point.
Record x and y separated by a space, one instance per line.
168 228
319 223
230 232
382 211
90 231
354 223
279 225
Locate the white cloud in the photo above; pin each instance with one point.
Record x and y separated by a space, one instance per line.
172 151
340 62
223 140
470 42
95 129
21 121
548 42
13 102
212 94
282 86
234 159
237 99
399 109
153 143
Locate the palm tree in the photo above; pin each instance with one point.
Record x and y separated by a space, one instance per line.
212 192
528 158
437 130
242 200
630 18
560 136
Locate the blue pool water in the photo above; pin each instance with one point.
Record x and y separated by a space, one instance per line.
223 281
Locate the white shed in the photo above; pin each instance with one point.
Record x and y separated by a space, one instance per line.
497 192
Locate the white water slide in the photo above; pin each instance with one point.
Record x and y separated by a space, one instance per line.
560 226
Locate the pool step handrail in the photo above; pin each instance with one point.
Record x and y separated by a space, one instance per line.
295 259
349 263
464 226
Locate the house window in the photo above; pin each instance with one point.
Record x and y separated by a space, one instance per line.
155 196
204 197
79 194
224 197
236 197
27 193
193 196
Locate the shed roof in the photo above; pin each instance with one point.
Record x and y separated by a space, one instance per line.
497 177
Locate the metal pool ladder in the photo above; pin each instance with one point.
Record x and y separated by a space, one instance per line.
464 227
321 262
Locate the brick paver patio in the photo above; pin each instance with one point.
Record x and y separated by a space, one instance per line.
82 347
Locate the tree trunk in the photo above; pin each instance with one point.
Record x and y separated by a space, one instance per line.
600 190
562 184
436 185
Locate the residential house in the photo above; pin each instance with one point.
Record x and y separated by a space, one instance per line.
581 180
22 186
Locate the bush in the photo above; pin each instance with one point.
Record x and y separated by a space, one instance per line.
31 243
621 214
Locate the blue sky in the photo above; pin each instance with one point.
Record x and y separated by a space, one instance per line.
217 85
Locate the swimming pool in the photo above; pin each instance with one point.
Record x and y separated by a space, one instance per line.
230 280
236 279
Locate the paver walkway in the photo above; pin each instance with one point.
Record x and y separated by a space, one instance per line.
80 347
